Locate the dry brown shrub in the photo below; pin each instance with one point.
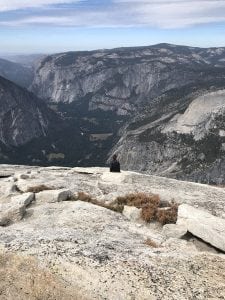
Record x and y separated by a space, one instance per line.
148 212
150 204
39 188
167 216
151 243
138 199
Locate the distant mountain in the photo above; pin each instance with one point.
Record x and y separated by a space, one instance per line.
32 133
147 88
161 108
23 116
15 72
28 60
182 136
123 79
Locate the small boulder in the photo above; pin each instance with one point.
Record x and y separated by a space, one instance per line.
11 189
52 196
14 210
203 225
11 214
132 213
24 199
174 230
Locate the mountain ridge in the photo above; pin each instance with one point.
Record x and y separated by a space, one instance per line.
103 96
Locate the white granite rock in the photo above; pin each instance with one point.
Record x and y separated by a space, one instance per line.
14 210
23 199
174 230
7 188
202 224
100 253
132 213
53 195
9 214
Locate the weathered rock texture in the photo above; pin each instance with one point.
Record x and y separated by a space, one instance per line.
203 225
53 195
120 79
185 141
23 116
100 253
14 209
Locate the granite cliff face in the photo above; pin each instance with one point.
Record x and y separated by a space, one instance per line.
171 98
23 116
124 79
186 141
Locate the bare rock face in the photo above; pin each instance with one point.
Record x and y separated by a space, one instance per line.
119 79
174 230
185 141
15 209
203 225
23 116
22 277
88 250
167 104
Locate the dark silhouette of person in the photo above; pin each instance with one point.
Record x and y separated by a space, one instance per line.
114 165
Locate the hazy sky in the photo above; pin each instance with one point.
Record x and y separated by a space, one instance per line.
34 26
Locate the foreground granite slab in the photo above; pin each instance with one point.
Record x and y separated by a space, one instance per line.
200 223
93 253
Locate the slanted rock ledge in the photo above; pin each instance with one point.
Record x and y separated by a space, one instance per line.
203 225
95 253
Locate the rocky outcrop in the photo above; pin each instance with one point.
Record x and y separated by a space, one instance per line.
185 141
53 195
15 209
203 225
88 250
174 230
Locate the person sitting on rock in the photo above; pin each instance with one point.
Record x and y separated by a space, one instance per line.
115 165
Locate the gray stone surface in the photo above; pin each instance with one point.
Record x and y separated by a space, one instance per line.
102 254
203 225
132 213
53 195
15 208
23 116
174 230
